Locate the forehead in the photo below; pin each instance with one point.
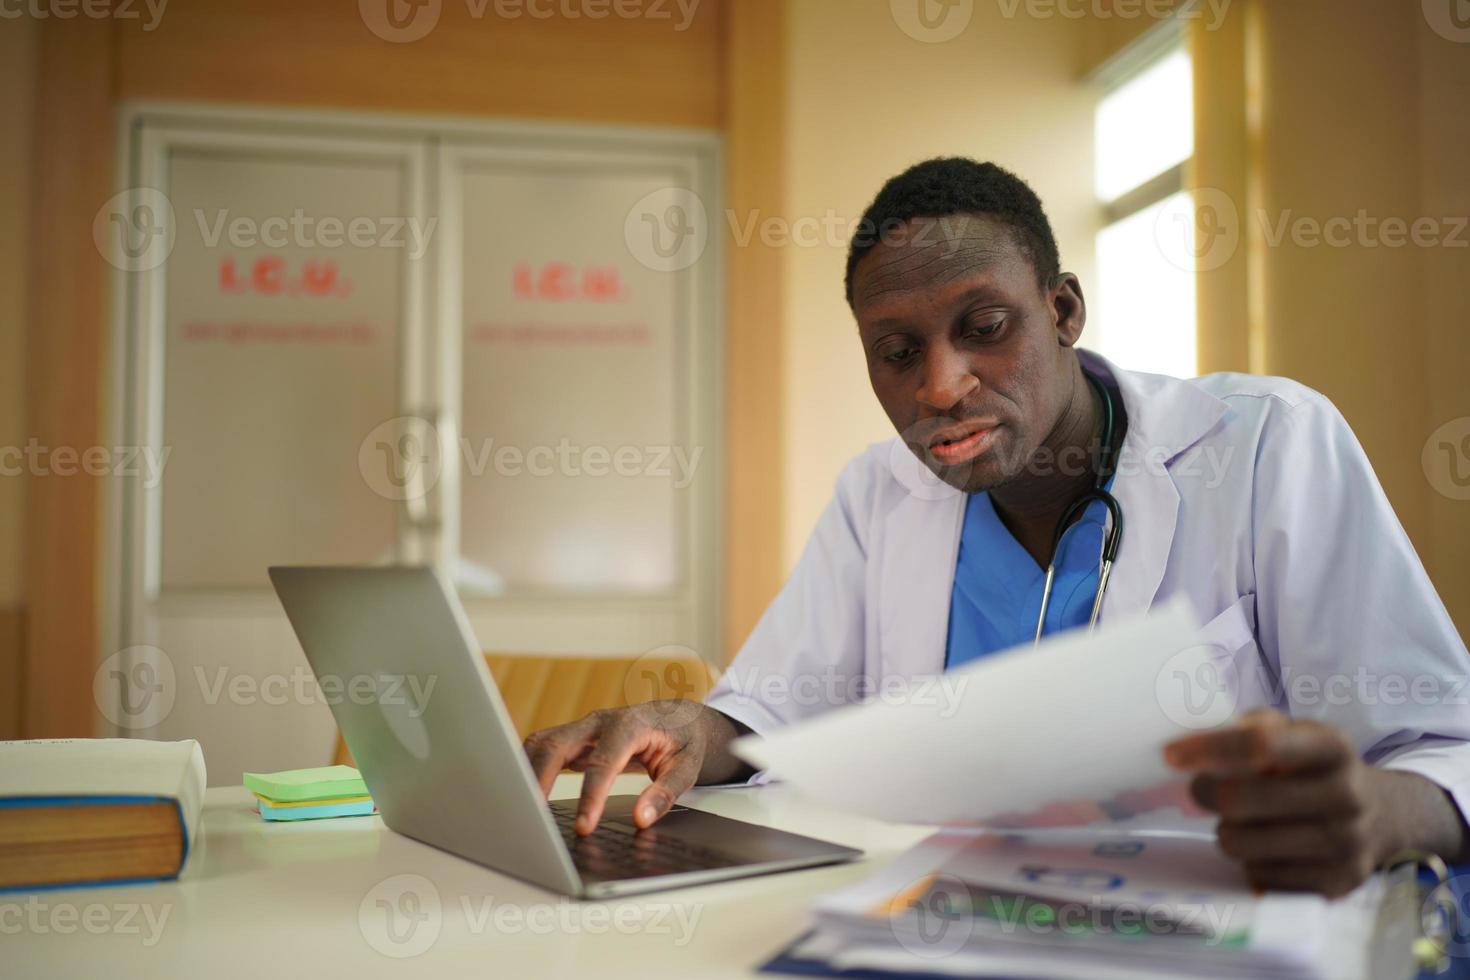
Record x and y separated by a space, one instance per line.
916 261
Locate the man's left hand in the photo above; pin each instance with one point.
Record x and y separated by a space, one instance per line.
1298 806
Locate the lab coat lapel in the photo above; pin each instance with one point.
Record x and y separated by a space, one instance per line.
1149 501
1166 416
921 538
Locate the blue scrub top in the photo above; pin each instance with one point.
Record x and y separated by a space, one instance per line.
998 585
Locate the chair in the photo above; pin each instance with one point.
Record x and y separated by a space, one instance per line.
542 690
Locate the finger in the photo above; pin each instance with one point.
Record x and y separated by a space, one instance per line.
1310 746
608 759
551 749
1294 842
672 782
1243 746
1268 797
579 764
1330 878
554 749
1261 742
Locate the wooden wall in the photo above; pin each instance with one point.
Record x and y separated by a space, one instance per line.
755 129
65 367
286 52
18 54
12 665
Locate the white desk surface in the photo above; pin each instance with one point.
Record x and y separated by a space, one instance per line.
272 901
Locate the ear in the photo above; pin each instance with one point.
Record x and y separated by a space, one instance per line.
1068 308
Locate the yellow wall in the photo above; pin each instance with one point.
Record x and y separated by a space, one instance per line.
1353 112
866 101
1337 138
1444 181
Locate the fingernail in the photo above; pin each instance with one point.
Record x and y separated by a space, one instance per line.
646 813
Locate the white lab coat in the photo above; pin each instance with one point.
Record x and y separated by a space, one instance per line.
1247 495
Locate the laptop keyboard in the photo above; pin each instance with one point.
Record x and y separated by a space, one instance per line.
617 850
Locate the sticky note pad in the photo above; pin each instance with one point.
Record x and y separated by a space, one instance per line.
297 785
316 811
278 805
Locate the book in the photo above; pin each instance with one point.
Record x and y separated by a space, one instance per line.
97 811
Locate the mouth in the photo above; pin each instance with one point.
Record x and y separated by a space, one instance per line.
961 443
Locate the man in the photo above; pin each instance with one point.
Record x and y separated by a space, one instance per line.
1248 496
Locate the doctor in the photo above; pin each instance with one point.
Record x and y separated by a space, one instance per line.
1247 496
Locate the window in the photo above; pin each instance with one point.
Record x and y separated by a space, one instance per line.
1144 131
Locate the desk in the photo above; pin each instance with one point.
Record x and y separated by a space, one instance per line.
304 898
265 901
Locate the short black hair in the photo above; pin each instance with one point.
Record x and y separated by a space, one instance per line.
947 186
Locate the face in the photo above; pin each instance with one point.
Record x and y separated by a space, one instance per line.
968 354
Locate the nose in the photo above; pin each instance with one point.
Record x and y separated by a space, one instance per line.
946 379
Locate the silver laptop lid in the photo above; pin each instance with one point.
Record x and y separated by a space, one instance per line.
408 685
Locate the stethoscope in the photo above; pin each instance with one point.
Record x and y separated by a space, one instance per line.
1112 536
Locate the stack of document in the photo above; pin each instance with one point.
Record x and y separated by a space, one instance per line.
311 794
1070 848
1085 904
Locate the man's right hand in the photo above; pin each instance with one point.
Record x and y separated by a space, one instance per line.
677 742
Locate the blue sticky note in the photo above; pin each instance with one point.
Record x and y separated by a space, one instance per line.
284 813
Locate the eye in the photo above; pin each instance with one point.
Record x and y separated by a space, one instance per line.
984 329
899 357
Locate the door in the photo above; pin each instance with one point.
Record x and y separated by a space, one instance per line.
352 339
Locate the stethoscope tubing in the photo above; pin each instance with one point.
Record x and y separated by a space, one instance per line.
1112 535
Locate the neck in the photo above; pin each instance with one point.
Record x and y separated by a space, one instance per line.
1064 468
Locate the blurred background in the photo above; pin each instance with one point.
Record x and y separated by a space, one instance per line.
550 291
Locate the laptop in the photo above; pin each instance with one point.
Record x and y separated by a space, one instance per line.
395 657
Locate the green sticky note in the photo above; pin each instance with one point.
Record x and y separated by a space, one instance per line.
297 785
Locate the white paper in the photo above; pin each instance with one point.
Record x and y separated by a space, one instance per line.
1068 733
